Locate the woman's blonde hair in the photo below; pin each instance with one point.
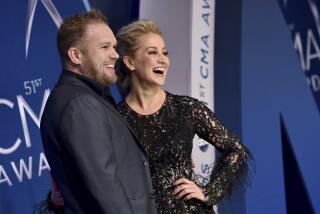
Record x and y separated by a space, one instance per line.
128 43
128 36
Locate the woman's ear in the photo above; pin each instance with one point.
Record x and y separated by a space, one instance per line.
75 55
128 62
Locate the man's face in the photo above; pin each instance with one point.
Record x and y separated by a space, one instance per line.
98 54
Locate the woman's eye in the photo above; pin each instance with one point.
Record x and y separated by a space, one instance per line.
152 52
166 53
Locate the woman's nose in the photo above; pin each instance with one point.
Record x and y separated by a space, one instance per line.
161 58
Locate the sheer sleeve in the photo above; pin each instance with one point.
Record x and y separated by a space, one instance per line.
232 166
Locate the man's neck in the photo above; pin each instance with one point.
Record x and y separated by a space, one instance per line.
73 69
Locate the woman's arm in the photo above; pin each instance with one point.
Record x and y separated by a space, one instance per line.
232 166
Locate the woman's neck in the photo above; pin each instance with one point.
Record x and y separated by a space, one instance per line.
146 101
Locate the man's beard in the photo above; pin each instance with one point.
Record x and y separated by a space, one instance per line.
90 71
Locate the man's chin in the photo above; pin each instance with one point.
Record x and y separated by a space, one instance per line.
108 81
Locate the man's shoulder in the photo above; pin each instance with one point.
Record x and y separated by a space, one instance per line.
68 95
65 93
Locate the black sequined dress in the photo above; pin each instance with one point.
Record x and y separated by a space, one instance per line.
167 136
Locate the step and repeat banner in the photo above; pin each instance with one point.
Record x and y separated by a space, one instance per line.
303 20
280 104
30 67
278 86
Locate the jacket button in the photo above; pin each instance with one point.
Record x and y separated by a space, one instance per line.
151 196
146 164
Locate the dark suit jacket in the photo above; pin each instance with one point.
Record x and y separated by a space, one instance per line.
94 155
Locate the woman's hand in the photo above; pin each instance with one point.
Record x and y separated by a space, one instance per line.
56 195
187 189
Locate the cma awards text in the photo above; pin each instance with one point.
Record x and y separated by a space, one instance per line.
309 51
19 160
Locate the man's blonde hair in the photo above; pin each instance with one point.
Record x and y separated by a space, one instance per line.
72 31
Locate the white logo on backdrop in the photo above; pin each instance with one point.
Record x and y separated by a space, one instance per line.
52 10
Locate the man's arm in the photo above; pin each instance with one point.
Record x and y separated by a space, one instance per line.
90 157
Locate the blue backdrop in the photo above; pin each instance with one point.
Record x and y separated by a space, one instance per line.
280 119
303 20
267 92
265 50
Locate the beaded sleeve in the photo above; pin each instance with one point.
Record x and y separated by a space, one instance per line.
232 166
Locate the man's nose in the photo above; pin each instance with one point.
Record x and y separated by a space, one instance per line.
114 54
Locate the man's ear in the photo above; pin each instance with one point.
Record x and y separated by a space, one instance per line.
75 55
128 62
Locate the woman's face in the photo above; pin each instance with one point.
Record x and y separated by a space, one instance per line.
151 61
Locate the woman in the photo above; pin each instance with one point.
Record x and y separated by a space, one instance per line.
167 124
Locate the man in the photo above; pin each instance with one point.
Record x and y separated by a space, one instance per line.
96 159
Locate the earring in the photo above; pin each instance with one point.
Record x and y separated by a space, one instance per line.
132 68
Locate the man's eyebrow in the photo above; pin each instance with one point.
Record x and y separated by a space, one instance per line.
104 43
